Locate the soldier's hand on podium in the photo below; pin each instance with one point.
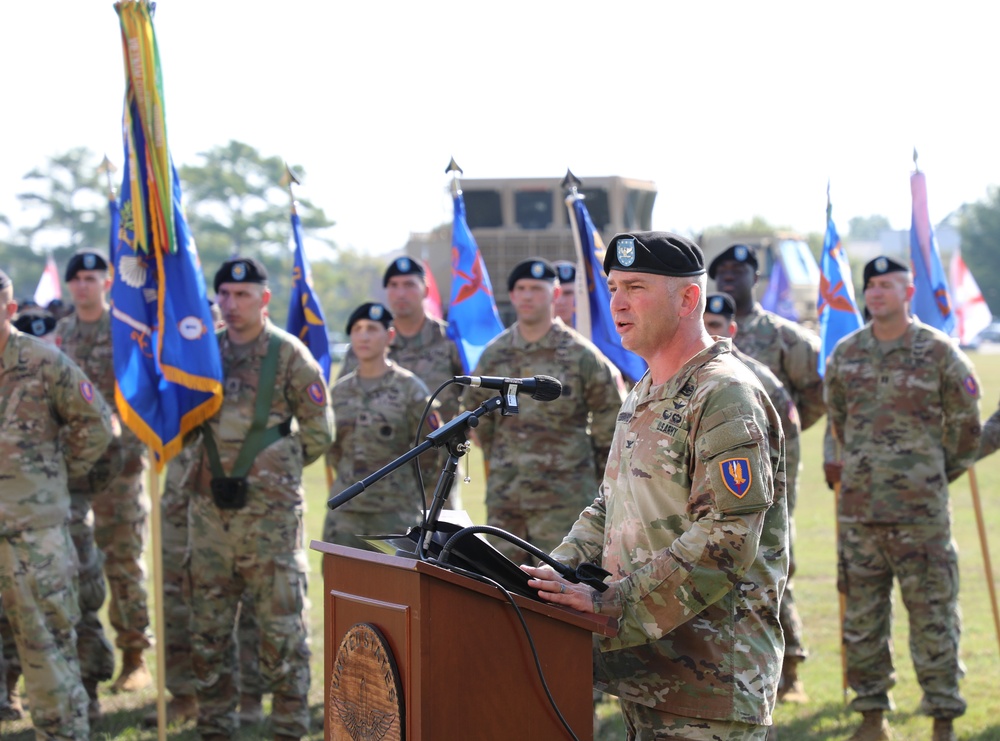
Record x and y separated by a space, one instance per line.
553 588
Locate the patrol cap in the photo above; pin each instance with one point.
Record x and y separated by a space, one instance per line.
883 265
660 253
535 268
4 280
403 266
721 304
240 270
85 259
565 271
37 324
737 252
372 310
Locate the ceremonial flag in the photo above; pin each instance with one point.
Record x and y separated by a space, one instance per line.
305 314
971 312
49 288
593 313
836 306
931 303
778 297
116 222
168 373
432 301
472 312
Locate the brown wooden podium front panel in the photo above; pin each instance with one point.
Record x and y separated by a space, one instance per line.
466 668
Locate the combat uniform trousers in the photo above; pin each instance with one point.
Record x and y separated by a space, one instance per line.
38 582
644 723
97 655
121 512
924 559
259 550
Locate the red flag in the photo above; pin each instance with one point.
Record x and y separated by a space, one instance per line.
432 302
971 311
49 288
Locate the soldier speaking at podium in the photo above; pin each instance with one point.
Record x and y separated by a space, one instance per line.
690 518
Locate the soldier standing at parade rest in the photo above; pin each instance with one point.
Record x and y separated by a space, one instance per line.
791 352
53 425
247 505
904 405
377 409
565 303
544 462
690 518
121 510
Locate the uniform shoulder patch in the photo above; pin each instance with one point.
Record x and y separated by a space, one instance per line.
970 385
317 392
736 475
87 391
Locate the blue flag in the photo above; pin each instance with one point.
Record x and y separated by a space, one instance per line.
836 306
472 312
931 303
305 315
778 297
168 372
116 221
593 316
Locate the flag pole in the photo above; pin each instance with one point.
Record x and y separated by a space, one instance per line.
984 545
156 532
108 168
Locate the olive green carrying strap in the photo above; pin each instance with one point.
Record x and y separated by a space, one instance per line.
257 437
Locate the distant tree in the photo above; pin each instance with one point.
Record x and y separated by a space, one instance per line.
979 226
867 228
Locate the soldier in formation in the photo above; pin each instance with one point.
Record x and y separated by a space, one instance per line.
690 518
904 406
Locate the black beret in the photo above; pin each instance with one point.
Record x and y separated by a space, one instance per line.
403 266
536 269
660 253
565 270
37 324
85 259
240 270
882 265
4 280
721 304
738 253
374 311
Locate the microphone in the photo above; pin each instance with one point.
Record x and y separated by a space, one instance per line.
542 388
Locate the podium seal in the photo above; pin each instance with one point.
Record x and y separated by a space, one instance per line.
366 696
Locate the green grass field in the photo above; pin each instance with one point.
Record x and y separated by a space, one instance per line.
826 716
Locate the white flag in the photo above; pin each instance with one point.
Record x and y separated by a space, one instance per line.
971 311
49 287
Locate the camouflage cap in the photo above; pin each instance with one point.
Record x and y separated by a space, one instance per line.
534 268
403 266
565 270
883 265
737 253
660 253
240 270
85 259
721 304
376 312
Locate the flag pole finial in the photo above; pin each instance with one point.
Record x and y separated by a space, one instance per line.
829 204
916 167
108 167
287 179
571 183
456 187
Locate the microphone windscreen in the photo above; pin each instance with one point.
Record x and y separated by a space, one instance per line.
547 388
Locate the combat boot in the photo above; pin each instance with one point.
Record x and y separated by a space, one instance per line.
943 730
790 688
874 727
10 705
251 711
135 676
180 709
93 704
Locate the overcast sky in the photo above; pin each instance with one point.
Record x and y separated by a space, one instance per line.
732 109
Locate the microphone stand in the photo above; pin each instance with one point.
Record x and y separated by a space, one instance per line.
454 436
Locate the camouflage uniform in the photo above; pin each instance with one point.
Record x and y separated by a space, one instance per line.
42 391
546 462
121 510
691 518
791 622
906 413
376 423
990 440
259 548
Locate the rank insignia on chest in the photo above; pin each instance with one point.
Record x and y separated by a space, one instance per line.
736 475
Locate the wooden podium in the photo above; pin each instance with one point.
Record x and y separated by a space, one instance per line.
465 667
